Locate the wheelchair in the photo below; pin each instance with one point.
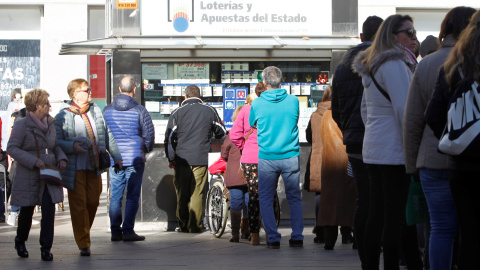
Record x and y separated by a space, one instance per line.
218 205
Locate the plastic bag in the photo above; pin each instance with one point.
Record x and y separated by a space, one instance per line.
416 204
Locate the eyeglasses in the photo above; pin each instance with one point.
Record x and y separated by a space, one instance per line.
88 90
409 31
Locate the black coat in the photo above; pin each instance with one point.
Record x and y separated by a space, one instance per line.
189 132
347 92
436 117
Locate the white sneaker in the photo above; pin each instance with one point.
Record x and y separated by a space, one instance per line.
12 218
34 222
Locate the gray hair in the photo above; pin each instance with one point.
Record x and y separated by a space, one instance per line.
272 76
192 91
127 84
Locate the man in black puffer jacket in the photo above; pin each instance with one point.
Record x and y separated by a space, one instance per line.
347 92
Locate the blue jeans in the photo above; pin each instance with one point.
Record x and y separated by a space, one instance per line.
131 178
268 173
238 199
443 216
14 208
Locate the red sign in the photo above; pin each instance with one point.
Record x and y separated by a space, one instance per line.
323 78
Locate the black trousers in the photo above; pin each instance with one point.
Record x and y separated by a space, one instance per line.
362 184
46 226
465 187
386 223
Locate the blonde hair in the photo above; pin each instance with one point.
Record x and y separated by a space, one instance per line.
74 85
327 94
235 113
35 97
384 39
251 97
466 53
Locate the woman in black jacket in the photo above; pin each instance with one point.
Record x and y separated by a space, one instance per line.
459 73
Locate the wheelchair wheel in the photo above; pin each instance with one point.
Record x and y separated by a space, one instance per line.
217 209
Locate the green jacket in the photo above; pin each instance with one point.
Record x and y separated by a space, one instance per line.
65 129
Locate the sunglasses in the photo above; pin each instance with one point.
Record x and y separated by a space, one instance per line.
88 90
409 31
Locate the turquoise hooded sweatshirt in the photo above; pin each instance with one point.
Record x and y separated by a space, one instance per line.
276 113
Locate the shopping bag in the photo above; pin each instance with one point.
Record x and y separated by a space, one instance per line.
416 204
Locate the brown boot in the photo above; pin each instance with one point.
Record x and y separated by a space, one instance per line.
245 228
255 239
236 218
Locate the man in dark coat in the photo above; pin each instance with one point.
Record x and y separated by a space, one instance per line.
187 143
347 92
133 130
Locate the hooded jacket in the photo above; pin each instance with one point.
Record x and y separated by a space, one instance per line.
347 92
132 128
276 113
383 119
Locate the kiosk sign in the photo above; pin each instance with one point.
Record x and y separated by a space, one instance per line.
235 18
127 4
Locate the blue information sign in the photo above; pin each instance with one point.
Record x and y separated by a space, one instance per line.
232 98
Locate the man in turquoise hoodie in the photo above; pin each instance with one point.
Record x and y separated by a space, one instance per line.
275 114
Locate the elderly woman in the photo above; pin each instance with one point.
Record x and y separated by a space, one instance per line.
84 136
386 68
34 146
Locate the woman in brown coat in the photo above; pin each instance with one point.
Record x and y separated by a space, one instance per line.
33 145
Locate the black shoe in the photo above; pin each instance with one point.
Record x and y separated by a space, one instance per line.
295 243
273 245
319 240
328 247
116 238
46 255
178 229
85 252
347 239
132 237
21 249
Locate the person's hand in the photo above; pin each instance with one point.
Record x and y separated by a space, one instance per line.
171 164
62 164
40 164
77 148
117 166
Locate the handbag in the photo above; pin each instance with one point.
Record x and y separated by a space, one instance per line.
51 174
104 160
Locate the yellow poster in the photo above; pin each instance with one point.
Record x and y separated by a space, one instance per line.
127 4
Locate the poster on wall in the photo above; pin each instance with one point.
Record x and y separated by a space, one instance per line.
191 70
232 98
154 71
19 68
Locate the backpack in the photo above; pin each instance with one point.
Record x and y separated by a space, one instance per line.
461 136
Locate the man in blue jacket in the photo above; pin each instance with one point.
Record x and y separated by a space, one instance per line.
275 114
133 131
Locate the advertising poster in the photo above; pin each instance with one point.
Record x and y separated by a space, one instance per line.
19 68
232 98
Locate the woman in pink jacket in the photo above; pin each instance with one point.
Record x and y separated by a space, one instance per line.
245 138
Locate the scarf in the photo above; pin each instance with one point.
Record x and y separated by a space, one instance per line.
410 55
92 148
42 124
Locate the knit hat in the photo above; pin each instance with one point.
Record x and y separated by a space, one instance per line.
428 46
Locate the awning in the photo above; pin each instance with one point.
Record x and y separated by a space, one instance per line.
213 46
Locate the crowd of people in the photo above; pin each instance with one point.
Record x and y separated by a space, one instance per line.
386 120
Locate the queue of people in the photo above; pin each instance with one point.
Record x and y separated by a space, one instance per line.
388 117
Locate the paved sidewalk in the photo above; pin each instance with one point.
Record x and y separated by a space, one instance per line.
170 250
